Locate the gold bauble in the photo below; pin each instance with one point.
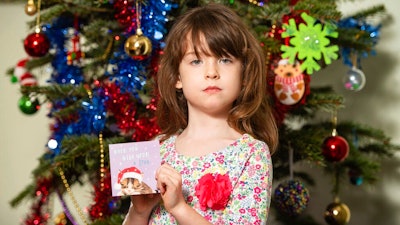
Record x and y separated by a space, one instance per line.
337 214
30 8
138 46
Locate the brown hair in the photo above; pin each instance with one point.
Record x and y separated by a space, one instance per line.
225 34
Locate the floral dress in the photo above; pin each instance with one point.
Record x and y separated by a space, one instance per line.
246 162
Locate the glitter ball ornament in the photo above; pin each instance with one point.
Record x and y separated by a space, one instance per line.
36 44
335 149
291 197
354 80
138 46
28 106
337 214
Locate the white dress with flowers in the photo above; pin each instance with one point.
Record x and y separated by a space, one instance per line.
247 163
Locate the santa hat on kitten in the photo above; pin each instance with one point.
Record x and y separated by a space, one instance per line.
130 172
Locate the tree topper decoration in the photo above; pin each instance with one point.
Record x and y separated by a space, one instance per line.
309 42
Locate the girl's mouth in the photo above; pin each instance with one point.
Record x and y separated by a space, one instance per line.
212 89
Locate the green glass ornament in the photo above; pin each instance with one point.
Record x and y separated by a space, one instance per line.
28 106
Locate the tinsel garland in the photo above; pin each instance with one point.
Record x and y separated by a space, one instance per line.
349 54
112 101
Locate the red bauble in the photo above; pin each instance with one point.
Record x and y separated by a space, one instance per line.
36 44
335 149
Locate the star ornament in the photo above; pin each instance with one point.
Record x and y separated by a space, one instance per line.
309 42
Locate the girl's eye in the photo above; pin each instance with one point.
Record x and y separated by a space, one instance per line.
195 62
225 60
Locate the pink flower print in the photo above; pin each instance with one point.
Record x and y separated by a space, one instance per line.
257 190
189 199
220 159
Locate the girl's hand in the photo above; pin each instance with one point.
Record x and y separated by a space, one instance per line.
144 203
141 207
169 182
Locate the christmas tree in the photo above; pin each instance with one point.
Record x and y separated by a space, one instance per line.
103 60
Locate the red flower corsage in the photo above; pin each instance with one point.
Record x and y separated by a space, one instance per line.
213 191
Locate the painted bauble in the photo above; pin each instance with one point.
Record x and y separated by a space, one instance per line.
289 86
335 149
337 213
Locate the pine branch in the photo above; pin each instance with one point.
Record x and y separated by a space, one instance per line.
27 192
369 12
56 91
84 146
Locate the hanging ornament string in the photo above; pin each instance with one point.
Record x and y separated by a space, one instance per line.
71 195
290 162
102 168
334 122
138 18
336 178
138 46
37 29
339 150
354 60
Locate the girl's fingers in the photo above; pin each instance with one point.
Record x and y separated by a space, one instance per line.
166 176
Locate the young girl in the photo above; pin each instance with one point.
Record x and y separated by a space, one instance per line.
217 127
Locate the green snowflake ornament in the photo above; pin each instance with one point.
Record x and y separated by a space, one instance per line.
309 42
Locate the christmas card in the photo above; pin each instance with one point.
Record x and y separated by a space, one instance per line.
133 166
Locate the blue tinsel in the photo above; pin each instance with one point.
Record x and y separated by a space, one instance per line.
130 75
363 26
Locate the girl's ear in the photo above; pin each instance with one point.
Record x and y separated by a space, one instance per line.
178 84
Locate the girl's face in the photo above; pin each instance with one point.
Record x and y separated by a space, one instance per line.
210 84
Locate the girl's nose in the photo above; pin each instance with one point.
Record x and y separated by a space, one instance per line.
212 72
